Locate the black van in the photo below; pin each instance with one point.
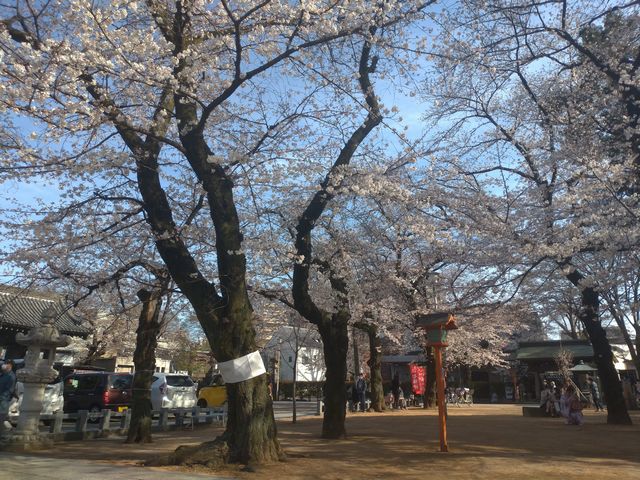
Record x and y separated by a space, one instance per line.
94 391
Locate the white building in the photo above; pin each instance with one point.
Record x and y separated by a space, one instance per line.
279 354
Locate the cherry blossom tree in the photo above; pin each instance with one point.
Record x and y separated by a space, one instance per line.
618 283
531 92
157 88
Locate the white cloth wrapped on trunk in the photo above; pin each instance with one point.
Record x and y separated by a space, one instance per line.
243 368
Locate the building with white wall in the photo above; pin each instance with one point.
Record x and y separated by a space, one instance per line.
279 354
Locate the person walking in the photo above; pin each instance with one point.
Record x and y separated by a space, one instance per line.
564 401
402 403
352 396
575 416
361 388
395 389
595 394
7 390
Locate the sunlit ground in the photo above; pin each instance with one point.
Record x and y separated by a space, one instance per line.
485 441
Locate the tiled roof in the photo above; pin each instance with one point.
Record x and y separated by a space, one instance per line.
550 349
22 309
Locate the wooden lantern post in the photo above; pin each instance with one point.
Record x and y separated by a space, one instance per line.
436 326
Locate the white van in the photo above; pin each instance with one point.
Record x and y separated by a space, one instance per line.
172 390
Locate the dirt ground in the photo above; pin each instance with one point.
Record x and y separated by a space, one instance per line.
485 442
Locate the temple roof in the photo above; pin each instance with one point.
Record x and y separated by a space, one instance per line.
21 310
550 349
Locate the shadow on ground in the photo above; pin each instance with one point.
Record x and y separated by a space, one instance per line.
492 441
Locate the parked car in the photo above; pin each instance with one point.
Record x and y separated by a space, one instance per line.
214 394
52 401
172 390
95 391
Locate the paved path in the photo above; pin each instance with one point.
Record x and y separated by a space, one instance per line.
284 409
26 467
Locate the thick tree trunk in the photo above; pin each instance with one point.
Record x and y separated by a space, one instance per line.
612 387
335 340
375 365
603 356
430 384
250 436
251 433
144 360
251 430
226 316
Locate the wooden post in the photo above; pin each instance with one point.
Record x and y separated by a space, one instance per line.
441 400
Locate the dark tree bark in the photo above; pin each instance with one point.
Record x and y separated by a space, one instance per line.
144 360
375 365
430 384
333 327
335 339
226 317
611 386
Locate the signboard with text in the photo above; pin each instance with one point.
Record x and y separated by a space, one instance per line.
418 374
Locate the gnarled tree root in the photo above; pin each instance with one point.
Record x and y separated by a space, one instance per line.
217 454
213 454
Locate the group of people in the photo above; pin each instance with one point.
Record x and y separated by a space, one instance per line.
397 401
565 402
357 390
396 398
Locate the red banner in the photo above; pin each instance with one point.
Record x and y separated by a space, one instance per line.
417 378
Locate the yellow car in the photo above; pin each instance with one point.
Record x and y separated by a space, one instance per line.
214 396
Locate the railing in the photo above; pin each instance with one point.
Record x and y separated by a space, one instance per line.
107 422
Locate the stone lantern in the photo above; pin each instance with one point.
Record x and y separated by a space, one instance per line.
38 371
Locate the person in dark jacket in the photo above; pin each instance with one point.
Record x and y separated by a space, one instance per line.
361 388
352 398
7 390
395 389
